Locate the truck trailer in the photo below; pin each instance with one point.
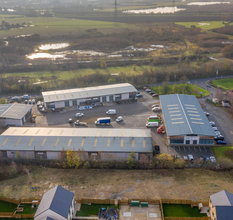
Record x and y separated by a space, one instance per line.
100 121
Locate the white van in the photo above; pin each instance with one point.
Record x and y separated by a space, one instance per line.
111 112
152 124
153 117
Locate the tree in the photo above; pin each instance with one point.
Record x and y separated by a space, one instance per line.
131 160
183 80
187 89
176 89
72 159
187 60
103 64
111 81
2 101
18 155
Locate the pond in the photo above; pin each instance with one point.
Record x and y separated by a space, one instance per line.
207 3
161 10
53 46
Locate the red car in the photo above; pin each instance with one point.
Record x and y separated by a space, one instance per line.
155 95
145 88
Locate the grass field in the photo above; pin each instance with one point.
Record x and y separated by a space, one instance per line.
62 75
193 89
58 26
222 152
225 83
93 209
212 24
27 209
195 184
6 206
177 210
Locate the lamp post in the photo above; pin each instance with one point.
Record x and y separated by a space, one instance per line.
175 78
217 74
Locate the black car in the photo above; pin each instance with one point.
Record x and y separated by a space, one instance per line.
156 149
219 137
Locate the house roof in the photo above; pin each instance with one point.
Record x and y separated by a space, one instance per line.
222 198
47 218
184 116
224 212
85 139
87 92
14 111
58 200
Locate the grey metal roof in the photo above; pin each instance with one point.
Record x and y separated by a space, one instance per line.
85 139
14 111
224 212
58 200
222 198
87 92
184 116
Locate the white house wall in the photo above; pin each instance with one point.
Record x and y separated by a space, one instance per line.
9 121
51 214
60 104
125 96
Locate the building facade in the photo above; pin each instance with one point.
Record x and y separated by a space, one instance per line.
89 95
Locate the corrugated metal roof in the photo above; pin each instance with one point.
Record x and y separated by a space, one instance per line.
184 116
87 92
89 139
14 111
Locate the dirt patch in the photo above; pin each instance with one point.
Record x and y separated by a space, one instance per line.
155 184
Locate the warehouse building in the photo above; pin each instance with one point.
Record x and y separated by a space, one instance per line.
14 114
185 121
51 143
89 95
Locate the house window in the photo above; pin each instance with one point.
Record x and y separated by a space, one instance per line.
67 104
104 99
176 141
187 142
206 141
111 98
74 102
194 141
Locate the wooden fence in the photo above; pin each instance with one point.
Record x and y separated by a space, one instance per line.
14 201
183 202
23 216
161 205
29 201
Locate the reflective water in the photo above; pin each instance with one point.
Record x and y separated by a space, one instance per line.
53 46
207 3
161 10
44 55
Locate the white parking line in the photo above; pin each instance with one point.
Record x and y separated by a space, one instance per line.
205 149
200 149
195 149
189 149
179 148
184 149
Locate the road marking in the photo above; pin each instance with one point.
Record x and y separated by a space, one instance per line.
189 149
205 149
184 149
200 149
195 149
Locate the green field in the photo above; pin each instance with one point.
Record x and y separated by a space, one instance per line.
93 209
27 209
7 207
58 26
131 70
177 210
195 90
212 24
224 83
221 152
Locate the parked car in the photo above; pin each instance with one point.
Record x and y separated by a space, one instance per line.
212 159
155 105
120 118
139 95
212 123
57 110
207 113
26 101
151 93
30 101
25 96
185 158
190 157
206 159
221 142
33 101
219 137
208 85
43 109
156 109
201 158
53 110
215 128
148 90
155 95
77 115
15 98
217 133
70 120
145 88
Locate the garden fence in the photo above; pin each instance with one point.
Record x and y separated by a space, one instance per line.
183 202
14 201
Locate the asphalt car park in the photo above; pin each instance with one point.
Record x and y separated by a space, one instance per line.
196 151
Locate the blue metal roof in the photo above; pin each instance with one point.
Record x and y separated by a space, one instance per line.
224 212
184 116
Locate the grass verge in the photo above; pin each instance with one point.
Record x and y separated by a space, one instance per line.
225 152
224 83
93 209
178 210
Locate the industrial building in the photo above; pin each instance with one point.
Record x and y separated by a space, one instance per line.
51 143
89 95
185 121
14 114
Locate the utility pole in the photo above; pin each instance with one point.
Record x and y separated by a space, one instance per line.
115 12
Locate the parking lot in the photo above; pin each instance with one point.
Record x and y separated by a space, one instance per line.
135 115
